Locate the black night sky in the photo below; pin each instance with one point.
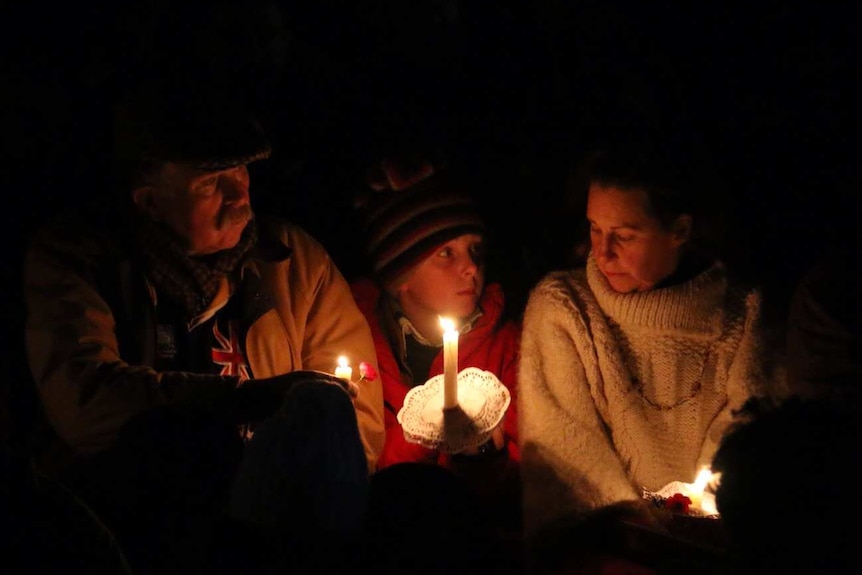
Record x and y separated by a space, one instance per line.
512 89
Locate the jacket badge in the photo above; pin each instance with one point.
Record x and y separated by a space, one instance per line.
229 355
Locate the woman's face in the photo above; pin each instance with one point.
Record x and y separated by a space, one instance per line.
631 247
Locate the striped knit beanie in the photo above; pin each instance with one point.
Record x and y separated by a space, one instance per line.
413 208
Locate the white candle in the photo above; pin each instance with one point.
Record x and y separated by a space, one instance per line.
450 363
343 369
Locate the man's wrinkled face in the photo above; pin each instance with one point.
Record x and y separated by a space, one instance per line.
631 247
207 210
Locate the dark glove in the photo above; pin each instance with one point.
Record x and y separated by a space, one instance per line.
257 399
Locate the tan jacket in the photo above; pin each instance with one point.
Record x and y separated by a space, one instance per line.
88 334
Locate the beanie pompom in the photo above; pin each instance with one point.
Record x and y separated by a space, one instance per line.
414 208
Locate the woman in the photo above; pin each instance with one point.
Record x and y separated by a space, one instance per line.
632 365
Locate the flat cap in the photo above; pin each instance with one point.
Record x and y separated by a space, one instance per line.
203 126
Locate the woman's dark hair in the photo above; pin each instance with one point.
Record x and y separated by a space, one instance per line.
663 179
674 172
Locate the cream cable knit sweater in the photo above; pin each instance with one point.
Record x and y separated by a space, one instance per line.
623 391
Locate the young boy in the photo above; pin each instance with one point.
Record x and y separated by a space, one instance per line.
425 243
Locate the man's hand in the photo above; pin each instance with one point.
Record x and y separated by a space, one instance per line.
351 388
283 382
257 399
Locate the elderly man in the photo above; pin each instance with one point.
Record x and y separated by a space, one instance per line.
183 311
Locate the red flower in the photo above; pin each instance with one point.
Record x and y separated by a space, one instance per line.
367 371
678 503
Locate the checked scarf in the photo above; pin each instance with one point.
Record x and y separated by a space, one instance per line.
192 282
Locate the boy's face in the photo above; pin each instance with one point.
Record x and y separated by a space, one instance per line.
448 283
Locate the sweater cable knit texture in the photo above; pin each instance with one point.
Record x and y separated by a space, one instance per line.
624 391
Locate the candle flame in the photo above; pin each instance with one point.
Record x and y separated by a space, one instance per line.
447 324
703 478
342 361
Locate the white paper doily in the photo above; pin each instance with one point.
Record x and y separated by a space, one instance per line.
482 403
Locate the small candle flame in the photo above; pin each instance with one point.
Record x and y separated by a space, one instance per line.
447 324
704 476
343 370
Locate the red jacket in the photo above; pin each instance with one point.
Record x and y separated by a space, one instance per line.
490 345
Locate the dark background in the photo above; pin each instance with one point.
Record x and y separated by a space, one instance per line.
513 90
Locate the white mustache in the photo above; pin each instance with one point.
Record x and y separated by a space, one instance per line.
235 216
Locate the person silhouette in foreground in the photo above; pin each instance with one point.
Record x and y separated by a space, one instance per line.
299 495
424 519
786 494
